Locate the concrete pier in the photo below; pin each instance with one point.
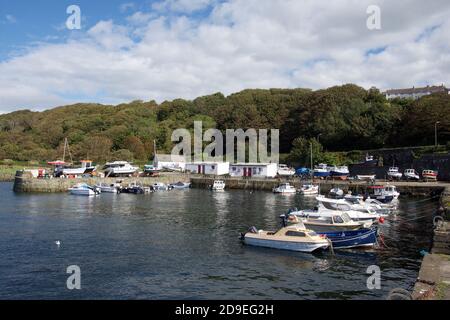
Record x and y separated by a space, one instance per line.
23 182
433 282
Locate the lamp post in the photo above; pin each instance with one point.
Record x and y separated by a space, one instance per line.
435 133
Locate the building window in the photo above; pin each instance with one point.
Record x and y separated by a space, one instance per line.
213 167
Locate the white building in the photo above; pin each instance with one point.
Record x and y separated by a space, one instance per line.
170 162
415 93
259 170
212 168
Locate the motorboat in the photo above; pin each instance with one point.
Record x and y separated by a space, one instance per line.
218 185
108 188
429 175
134 188
284 188
309 189
66 169
180 185
411 174
352 197
369 161
338 221
384 194
151 170
159 186
294 238
83 189
336 193
119 168
364 237
394 174
365 205
321 171
340 172
284 170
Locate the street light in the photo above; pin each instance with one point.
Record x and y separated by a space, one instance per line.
435 133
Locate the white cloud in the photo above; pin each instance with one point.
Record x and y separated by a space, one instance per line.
241 44
186 6
10 19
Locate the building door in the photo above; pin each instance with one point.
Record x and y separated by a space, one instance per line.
245 172
199 169
249 171
203 169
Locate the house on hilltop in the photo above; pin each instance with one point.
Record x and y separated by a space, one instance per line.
415 93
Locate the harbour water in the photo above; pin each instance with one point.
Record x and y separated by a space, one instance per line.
184 245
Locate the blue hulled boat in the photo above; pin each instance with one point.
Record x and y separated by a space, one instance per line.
352 239
321 171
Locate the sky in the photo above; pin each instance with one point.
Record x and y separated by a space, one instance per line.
166 49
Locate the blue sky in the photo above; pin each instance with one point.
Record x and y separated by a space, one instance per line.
166 49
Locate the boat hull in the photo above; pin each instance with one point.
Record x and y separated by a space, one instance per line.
321 174
286 245
353 239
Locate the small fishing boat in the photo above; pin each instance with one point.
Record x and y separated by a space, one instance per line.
108 188
379 193
369 161
294 238
284 188
151 171
218 185
309 190
180 185
411 174
321 171
159 186
134 188
365 237
119 168
429 175
394 174
83 189
339 221
340 172
285 171
336 193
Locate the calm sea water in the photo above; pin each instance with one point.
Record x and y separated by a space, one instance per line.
184 245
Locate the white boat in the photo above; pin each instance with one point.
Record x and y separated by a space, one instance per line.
365 206
284 170
119 168
83 189
309 189
327 207
294 238
181 185
159 186
394 174
366 177
429 175
108 188
411 174
218 185
284 188
336 193
339 221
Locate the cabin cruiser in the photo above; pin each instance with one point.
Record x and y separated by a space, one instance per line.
394 174
321 171
284 170
384 194
119 168
109 188
309 189
339 221
218 185
369 161
134 188
284 188
368 204
83 189
341 172
429 175
411 174
294 238
327 207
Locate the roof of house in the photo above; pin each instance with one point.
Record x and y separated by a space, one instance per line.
170 158
427 89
